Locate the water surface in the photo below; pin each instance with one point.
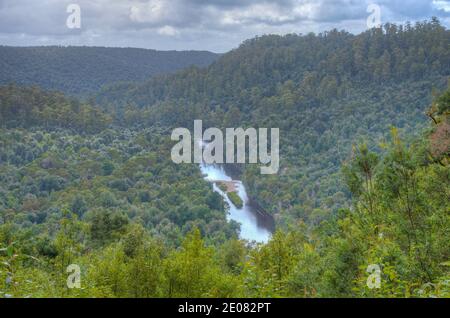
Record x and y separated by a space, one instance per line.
255 226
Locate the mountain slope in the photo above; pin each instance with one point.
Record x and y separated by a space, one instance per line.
325 92
320 66
83 70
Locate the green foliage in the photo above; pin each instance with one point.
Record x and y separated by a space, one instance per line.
44 172
30 106
324 92
235 199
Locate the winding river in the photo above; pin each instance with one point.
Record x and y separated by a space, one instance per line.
255 225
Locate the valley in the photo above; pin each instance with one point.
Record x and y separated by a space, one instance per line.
254 225
87 175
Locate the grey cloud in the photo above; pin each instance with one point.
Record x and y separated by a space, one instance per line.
217 25
409 9
32 17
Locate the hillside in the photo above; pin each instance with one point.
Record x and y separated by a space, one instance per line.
83 70
139 225
325 92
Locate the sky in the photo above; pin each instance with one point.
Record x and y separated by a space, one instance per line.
213 25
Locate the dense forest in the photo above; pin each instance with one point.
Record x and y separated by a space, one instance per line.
324 92
364 178
82 71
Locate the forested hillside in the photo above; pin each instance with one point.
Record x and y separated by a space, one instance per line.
31 106
325 92
84 70
140 226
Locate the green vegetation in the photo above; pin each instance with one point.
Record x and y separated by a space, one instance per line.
324 92
31 107
222 186
92 183
84 70
235 199
111 176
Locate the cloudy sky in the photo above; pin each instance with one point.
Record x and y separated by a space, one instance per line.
215 25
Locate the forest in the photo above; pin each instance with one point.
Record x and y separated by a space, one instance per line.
67 68
324 92
363 181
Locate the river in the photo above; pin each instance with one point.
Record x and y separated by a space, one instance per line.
255 225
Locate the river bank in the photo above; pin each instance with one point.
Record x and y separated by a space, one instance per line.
255 224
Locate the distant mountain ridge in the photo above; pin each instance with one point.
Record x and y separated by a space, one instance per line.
83 70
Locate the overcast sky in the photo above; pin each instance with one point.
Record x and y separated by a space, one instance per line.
215 25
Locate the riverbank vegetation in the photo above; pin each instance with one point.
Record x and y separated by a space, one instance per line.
235 199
